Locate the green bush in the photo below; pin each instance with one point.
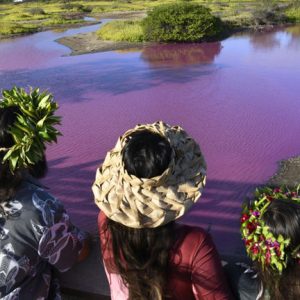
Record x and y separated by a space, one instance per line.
15 28
268 14
181 22
293 14
76 7
36 11
61 20
129 31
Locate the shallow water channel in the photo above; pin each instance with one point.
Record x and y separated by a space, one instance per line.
238 98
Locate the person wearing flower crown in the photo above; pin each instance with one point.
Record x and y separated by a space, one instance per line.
36 234
153 175
270 228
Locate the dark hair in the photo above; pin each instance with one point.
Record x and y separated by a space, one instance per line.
10 182
283 217
146 154
142 255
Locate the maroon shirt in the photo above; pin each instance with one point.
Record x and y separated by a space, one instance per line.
195 268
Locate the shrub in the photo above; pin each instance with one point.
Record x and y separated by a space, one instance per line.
60 20
15 28
293 14
36 11
269 12
130 31
181 22
87 9
76 7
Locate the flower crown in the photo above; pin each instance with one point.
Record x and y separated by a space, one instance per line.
261 244
32 128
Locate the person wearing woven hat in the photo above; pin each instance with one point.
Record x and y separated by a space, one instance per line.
36 235
153 175
270 229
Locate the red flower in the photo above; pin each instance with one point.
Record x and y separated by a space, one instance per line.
255 249
251 227
268 257
277 251
244 218
277 190
270 198
248 242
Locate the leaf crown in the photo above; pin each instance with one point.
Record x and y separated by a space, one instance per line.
261 245
33 128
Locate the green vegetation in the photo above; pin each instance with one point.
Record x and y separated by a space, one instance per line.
10 28
36 15
268 12
30 17
130 31
181 22
293 13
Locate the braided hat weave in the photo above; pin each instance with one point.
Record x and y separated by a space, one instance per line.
151 202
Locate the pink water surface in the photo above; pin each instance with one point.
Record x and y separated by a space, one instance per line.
238 98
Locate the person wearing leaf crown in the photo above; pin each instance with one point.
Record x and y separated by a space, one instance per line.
153 175
270 228
36 234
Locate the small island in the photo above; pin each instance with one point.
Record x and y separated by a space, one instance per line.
182 22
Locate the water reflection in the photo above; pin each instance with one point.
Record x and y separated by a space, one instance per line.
294 32
264 41
177 55
287 38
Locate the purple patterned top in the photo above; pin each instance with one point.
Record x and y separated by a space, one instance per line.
35 235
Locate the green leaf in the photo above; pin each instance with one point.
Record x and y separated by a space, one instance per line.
33 127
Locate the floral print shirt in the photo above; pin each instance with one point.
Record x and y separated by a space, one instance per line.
35 235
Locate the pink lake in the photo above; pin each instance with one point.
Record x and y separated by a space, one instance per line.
239 99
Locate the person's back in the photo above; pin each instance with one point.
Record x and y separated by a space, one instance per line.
152 176
194 268
36 234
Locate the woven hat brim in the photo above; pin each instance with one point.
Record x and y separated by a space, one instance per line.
151 202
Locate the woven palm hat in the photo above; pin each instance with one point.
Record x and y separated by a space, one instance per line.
151 202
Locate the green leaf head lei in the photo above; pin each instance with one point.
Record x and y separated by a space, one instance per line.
33 128
261 245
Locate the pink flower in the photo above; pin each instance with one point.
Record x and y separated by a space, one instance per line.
256 213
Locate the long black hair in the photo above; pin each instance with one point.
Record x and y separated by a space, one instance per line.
142 255
283 218
10 181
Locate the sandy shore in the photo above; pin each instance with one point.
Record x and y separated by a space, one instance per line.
89 43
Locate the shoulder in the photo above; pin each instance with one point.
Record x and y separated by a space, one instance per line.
39 204
192 235
194 245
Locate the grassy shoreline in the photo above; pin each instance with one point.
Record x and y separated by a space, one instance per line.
29 17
